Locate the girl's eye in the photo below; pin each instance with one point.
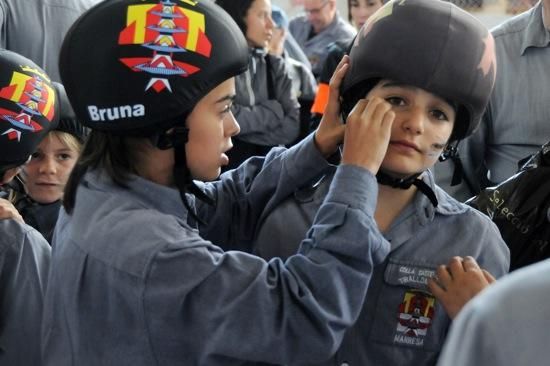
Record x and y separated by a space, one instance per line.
35 155
439 115
64 156
396 101
227 108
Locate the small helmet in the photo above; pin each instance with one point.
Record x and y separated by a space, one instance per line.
152 61
28 107
67 119
433 45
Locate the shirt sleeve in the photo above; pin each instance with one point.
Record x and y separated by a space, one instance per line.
235 305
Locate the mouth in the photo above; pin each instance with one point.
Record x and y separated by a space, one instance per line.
406 145
46 184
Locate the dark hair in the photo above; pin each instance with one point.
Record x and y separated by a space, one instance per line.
116 155
237 9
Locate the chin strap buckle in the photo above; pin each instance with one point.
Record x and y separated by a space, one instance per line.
451 152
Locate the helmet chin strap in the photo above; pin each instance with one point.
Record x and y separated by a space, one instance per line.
451 152
406 183
183 179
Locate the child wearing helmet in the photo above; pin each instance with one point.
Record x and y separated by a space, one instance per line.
134 280
27 112
409 65
42 180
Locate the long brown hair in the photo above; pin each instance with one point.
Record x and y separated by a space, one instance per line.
117 156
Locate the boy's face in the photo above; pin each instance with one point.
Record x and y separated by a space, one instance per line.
48 170
422 126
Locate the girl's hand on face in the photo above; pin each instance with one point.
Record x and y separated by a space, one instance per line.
8 211
330 132
368 131
458 282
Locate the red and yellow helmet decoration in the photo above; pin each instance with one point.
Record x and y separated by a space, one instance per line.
138 66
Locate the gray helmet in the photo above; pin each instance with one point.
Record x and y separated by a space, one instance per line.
433 45
152 61
28 107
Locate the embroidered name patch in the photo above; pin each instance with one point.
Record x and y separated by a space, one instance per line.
413 276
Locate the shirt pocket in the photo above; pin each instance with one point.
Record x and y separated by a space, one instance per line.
406 313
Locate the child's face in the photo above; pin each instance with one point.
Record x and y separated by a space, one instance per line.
361 10
211 125
422 126
48 170
259 25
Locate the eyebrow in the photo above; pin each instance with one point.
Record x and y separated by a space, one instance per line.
227 98
392 84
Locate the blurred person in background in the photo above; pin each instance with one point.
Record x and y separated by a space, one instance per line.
304 85
319 26
358 13
35 28
514 126
265 106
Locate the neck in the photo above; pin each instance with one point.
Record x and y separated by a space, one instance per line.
157 165
391 201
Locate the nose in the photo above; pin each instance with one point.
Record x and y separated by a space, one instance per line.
47 166
269 24
415 119
231 126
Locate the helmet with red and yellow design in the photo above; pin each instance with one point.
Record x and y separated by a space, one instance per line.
28 108
138 67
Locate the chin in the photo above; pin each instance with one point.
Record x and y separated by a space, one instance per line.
45 200
210 176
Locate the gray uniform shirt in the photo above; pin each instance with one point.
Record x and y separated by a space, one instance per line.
265 121
517 120
401 322
24 265
506 325
316 47
36 28
133 284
